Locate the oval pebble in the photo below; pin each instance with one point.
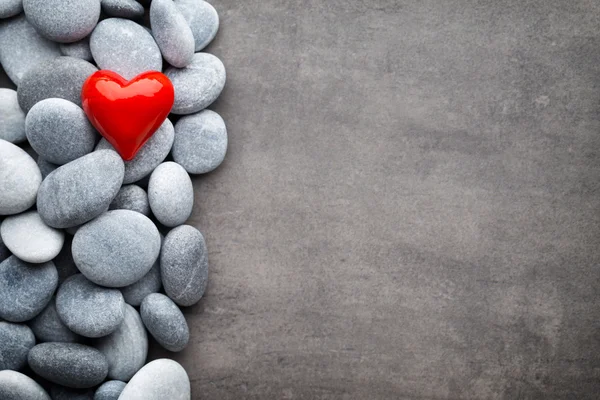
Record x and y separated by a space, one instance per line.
170 194
126 348
125 47
159 380
63 20
79 49
116 249
202 18
25 289
123 8
184 265
10 8
12 118
172 33
131 197
165 322
58 392
20 179
15 342
68 364
48 327
198 85
110 390
200 142
150 283
17 386
45 167
30 239
80 190
88 309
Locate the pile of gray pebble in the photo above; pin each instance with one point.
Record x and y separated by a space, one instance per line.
94 250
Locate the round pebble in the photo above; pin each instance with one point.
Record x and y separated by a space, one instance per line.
59 131
12 118
65 265
88 309
25 289
58 392
165 322
123 8
63 21
15 342
200 142
10 8
126 348
184 265
30 239
170 194
197 85
202 18
110 390
16 386
48 327
159 380
125 47
150 283
131 197
79 49
20 179
80 190
116 249
68 364
45 167
172 33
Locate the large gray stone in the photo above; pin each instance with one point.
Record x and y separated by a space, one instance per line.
131 197
165 322
10 8
78 49
12 118
172 33
150 283
20 179
15 342
158 380
171 194
110 390
17 386
48 327
123 8
202 18
58 392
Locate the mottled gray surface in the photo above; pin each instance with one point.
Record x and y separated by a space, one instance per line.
9 8
12 118
202 18
15 342
165 322
150 283
78 49
30 239
131 197
109 390
122 8
172 33
20 179
48 327
158 380
58 392
170 194
17 386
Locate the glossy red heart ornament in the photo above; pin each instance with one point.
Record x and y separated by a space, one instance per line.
127 113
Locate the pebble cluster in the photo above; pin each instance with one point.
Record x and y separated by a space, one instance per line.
95 256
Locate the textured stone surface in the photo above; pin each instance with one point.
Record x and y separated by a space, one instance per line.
165 322
17 386
110 390
30 239
172 33
45 167
131 197
15 342
58 392
122 8
170 194
202 18
20 179
48 327
10 8
12 118
150 283
78 49
158 380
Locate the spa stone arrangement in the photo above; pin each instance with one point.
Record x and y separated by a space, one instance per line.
95 256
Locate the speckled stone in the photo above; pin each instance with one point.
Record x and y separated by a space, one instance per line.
197 85
172 33
110 390
68 364
171 194
20 179
10 8
116 249
150 155
12 118
126 348
184 265
45 167
131 197
30 239
48 327
125 47
200 142
17 386
15 342
202 18
79 49
63 21
159 380
58 392
61 77
80 190
25 289
150 283
88 309
65 265
123 8
22 48
165 322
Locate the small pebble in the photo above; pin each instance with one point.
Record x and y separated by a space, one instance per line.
171 194
123 8
79 49
65 265
110 390
58 392
15 342
20 179
48 327
202 18
45 167
10 8
150 283
165 322
17 386
159 380
131 197
172 33
12 118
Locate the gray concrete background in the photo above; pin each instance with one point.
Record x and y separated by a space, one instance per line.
410 205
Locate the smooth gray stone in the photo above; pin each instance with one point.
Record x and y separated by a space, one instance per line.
20 179
10 8
116 249
59 131
88 309
12 118
22 48
150 283
65 265
198 85
125 47
203 20
110 390
123 8
30 239
159 380
48 327
170 194
184 265
165 322
68 364
78 49
15 342
154 151
172 33
63 21
45 167
61 77
17 386
200 142
80 190
58 392
25 289
126 348
131 197
4 252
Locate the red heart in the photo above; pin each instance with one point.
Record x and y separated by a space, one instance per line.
127 113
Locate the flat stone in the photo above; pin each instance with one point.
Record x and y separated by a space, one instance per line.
159 380
88 309
48 327
45 167
110 390
165 322
25 289
150 283
171 194
80 190
12 118
17 386
131 197
15 342
184 265
202 18
126 348
79 49
123 8
20 179
125 47
116 249
65 265
172 33
63 21
68 364
10 8
58 392
200 142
